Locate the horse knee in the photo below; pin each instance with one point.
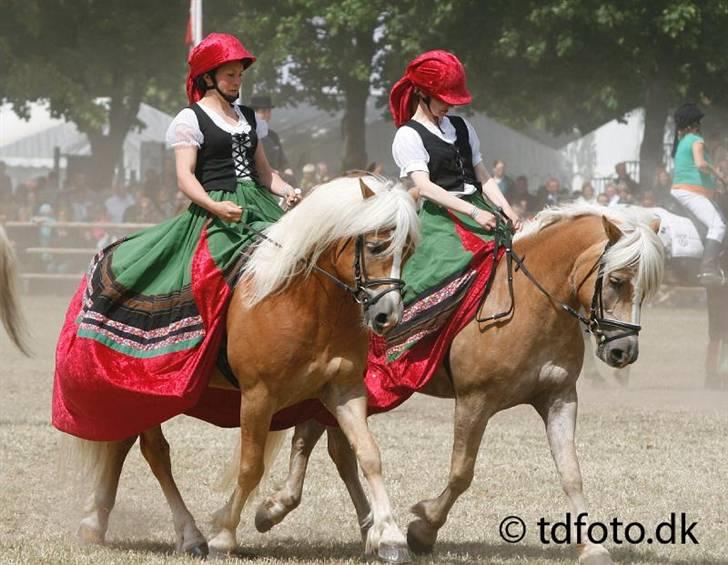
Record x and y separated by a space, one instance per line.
250 471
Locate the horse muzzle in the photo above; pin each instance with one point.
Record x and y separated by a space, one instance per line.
619 352
382 316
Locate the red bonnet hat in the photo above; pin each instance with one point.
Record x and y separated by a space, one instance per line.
215 50
436 73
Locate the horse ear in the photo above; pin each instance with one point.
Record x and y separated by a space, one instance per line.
611 229
366 192
655 225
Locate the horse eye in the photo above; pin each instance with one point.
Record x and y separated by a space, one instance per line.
616 282
375 248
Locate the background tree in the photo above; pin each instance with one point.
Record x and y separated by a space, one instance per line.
94 62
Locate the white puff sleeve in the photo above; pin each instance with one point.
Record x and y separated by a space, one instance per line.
409 152
184 130
474 143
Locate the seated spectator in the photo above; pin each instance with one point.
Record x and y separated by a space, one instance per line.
143 212
551 194
610 191
118 202
499 175
648 199
166 204
602 199
624 178
520 193
6 183
587 194
661 185
625 194
322 173
308 180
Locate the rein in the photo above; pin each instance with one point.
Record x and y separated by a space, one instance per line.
362 284
595 323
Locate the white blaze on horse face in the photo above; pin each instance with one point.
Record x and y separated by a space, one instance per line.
636 305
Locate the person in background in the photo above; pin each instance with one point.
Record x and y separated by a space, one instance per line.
118 202
309 179
602 199
263 106
520 193
624 178
322 173
550 194
143 211
648 199
612 194
661 186
6 183
694 186
502 180
588 194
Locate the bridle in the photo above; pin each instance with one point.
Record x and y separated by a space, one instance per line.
362 283
604 329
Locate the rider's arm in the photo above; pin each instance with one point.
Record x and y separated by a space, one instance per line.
424 187
701 163
185 161
492 191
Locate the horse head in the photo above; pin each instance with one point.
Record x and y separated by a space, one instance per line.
354 232
616 276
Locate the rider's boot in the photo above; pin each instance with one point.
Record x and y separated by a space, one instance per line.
710 272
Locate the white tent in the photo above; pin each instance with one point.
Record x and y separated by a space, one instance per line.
31 144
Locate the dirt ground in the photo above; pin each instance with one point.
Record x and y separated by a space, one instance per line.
651 448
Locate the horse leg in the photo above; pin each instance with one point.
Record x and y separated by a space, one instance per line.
256 413
278 505
348 403
155 450
558 411
345 461
106 460
471 417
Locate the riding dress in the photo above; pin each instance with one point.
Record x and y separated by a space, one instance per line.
143 330
695 189
440 272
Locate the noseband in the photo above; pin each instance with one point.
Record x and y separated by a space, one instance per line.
595 323
362 283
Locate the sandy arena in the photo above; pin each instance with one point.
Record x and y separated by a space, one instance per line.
656 447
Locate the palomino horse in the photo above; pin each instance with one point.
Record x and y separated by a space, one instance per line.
533 356
297 328
10 313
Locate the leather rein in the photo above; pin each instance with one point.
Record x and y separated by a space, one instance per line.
595 322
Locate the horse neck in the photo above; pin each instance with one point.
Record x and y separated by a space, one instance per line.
561 255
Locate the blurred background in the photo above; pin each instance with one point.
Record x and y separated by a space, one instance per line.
572 99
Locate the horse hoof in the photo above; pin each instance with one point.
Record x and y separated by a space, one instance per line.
263 520
199 550
90 536
392 553
222 544
421 537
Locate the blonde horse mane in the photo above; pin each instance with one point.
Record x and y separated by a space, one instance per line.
332 211
639 249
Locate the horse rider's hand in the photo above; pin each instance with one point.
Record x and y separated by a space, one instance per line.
293 197
516 221
485 220
228 211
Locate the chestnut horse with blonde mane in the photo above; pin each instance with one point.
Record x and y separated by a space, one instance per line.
297 328
602 261
10 314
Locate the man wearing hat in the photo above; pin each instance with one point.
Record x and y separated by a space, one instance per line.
263 106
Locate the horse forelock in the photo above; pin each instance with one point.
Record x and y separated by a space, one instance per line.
331 212
638 250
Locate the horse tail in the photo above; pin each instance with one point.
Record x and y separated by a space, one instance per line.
229 475
10 313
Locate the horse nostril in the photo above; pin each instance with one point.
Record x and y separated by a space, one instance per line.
617 354
381 319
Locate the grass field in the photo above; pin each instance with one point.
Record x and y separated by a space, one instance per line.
655 447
